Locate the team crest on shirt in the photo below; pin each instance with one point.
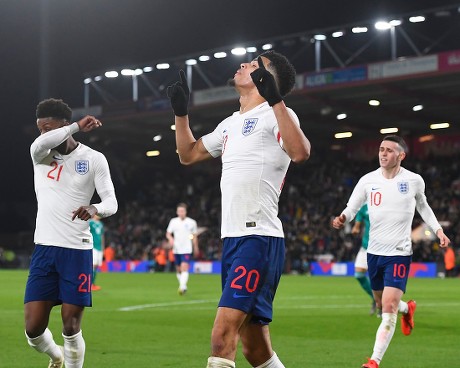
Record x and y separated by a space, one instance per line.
403 187
249 125
82 166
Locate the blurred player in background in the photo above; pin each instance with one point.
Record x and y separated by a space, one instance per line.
256 145
97 231
362 218
183 238
392 194
66 174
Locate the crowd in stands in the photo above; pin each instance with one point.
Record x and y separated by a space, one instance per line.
314 193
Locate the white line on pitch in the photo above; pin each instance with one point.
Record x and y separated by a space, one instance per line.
160 305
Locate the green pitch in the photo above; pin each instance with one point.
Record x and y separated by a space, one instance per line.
139 320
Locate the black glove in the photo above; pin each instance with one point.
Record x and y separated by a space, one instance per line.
179 94
265 83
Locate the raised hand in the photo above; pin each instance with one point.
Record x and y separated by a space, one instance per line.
88 123
179 95
265 83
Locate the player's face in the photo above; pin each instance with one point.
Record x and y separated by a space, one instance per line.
46 124
242 76
390 154
181 212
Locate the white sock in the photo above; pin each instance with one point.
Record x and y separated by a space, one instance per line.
216 362
384 335
183 280
45 344
178 276
74 350
403 307
273 362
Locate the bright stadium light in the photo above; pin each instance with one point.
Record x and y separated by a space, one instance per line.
374 102
388 130
319 37
97 78
238 51
267 46
359 29
395 22
138 71
251 49
152 153
204 58
337 34
173 127
382 25
110 74
343 135
220 54
162 66
190 62
417 19
440 125
417 108
127 72
148 69
157 138
87 80
341 116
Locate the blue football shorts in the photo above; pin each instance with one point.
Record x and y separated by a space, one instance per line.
60 274
251 269
182 258
388 271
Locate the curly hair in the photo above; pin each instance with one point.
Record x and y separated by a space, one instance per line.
53 108
283 69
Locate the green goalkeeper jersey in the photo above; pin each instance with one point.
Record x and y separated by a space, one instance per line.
97 230
363 217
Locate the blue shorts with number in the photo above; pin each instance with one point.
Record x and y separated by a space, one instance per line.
388 271
60 274
251 269
182 258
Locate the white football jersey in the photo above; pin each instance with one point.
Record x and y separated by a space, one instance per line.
391 204
254 166
183 232
63 183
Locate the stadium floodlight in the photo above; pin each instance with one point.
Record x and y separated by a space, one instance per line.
417 108
238 51
382 25
319 37
220 54
97 78
190 62
157 138
395 22
152 153
204 58
148 69
440 125
87 80
359 29
341 116
417 19
374 102
338 34
267 46
388 130
173 127
343 135
162 66
138 71
111 74
127 72
251 49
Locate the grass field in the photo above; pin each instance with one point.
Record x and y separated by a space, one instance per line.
139 320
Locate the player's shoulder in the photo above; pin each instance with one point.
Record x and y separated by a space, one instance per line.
410 174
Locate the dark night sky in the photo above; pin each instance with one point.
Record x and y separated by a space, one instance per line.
88 35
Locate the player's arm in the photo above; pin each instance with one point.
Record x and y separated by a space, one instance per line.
170 238
189 149
356 229
356 201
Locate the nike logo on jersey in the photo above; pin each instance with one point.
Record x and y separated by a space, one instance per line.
375 188
57 157
236 296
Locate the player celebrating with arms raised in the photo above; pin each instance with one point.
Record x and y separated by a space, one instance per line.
66 174
392 194
256 145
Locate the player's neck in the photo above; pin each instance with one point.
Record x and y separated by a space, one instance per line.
67 146
390 172
250 100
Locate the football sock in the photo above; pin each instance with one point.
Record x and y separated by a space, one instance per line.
183 280
273 362
74 350
364 282
94 275
403 307
384 335
178 276
45 344
216 362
